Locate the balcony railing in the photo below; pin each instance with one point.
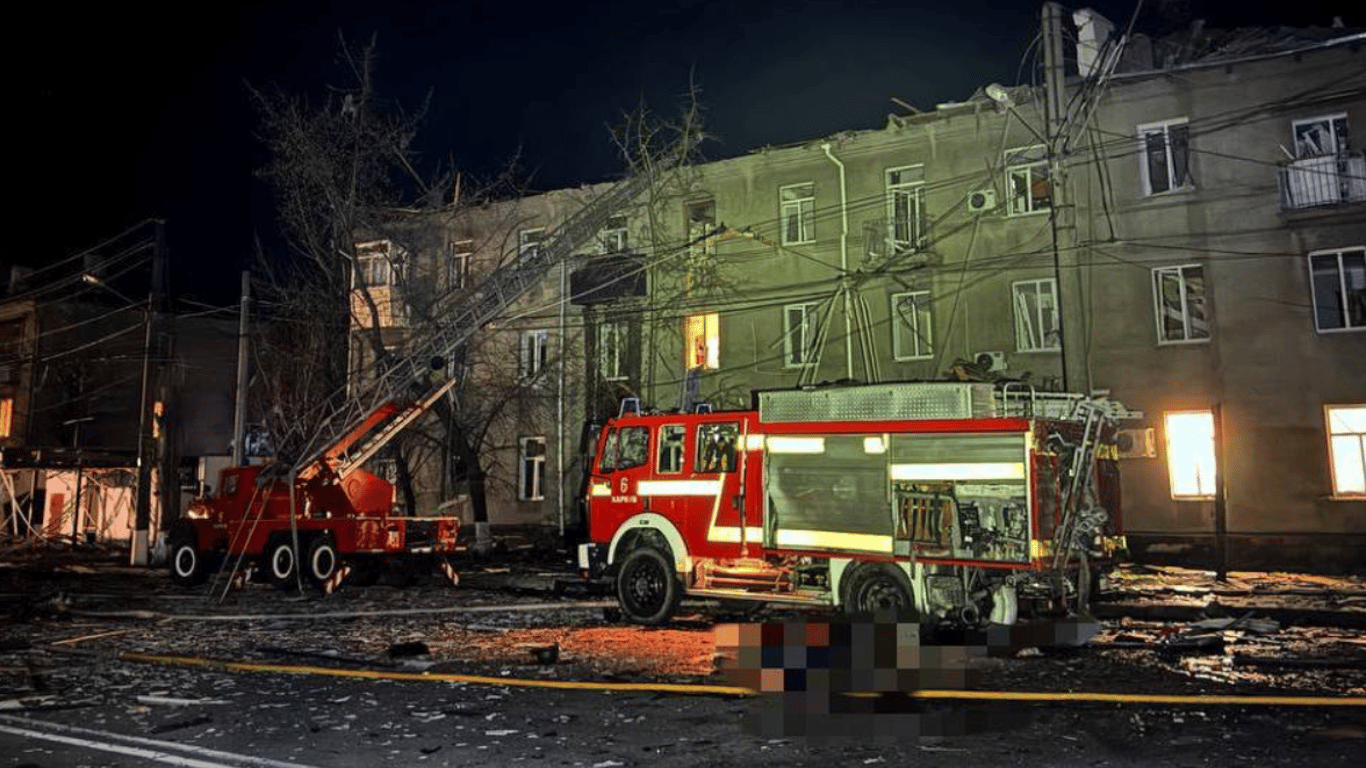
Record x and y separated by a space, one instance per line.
1312 182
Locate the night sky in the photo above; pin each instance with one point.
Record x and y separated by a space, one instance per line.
126 113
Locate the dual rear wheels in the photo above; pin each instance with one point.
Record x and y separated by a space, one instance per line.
320 559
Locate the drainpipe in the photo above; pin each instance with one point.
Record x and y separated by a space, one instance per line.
844 267
560 468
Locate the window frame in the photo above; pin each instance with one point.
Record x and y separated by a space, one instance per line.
913 191
530 241
710 323
1164 127
699 219
810 326
376 265
531 467
1331 435
803 207
899 327
1021 159
725 462
664 430
535 341
615 236
1173 456
1344 295
1339 132
620 333
459 253
1186 319
6 417
1016 313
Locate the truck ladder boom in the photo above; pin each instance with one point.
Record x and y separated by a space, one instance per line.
457 315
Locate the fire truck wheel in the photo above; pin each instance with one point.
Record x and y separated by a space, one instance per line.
322 559
879 587
279 561
647 588
187 562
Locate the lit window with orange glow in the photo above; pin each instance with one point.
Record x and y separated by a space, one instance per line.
1190 454
702 341
1347 448
158 412
6 416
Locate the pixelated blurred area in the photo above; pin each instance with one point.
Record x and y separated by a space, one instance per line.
857 676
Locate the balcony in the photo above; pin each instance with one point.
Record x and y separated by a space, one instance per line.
1327 180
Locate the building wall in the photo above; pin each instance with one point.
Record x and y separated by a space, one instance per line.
1264 364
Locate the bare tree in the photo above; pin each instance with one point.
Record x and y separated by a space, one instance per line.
346 176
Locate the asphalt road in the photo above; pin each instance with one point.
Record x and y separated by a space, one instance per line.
68 699
226 719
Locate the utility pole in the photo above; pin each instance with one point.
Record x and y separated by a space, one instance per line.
1061 212
239 416
153 350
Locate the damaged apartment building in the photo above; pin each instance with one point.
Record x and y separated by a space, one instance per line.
1179 223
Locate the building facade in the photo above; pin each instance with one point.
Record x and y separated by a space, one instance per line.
1188 234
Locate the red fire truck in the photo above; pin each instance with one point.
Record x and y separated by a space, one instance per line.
341 518
954 501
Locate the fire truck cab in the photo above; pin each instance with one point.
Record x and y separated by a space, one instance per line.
944 499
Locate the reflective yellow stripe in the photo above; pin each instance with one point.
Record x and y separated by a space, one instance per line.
1001 470
754 442
1040 548
599 489
678 487
866 542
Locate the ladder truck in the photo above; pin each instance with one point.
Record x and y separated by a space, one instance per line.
326 512
958 503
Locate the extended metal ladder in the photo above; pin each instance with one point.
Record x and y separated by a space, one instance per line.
401 392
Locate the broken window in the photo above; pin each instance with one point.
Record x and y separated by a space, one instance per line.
701 218
612 339
1165 156
797 203
458 265
1319 136
1036 315
1029 183
1339 284
911 325
1190 454
906 208
375 265
529 242
1347 448
531 469
614 236
671 449
801 332
1179 296
531 358
702 341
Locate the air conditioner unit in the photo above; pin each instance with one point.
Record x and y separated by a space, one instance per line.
980 200
992 361
1136 443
